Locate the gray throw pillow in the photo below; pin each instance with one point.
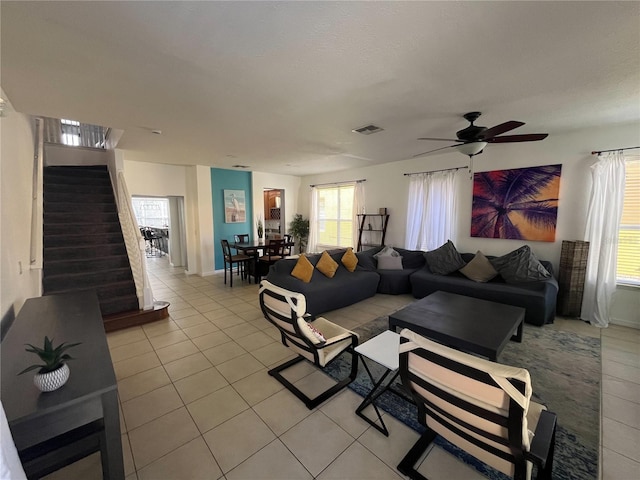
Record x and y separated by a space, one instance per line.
387 262
479 269
387 252
444 260
520 266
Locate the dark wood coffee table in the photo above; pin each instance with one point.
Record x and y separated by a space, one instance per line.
465 323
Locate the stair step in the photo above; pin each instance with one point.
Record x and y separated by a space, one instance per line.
79 218
111 290
78 197
79 239
77 188
82 228
71 174
59 179
120 304
98 171
79 253
70 267
67 281
86 208
135 317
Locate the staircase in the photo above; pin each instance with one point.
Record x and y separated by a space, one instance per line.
83 243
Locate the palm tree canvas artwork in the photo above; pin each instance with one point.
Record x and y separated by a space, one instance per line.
517 204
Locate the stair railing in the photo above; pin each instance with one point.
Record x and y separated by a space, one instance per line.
36 252
134 243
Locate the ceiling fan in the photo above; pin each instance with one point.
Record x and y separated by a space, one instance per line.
472 139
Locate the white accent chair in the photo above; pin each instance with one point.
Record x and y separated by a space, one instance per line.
286 310
480 406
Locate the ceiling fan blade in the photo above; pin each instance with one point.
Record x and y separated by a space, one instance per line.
440 139
529 137
498 129
437 149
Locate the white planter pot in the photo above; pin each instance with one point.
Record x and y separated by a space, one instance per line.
50 381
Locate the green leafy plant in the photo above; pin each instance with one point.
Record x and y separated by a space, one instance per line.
53 358
299 228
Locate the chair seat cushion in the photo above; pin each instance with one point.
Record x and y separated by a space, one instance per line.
239 258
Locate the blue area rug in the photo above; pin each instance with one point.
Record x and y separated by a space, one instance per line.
565 375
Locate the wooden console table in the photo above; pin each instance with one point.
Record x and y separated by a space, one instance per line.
53 429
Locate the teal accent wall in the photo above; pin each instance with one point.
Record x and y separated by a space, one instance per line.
222 180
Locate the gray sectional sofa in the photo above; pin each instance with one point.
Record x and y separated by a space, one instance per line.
346 288
322 293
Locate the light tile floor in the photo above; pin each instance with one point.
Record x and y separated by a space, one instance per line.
197 403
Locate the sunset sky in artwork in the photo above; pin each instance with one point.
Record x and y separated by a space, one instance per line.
501 197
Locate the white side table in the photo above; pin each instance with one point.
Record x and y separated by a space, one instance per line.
382 349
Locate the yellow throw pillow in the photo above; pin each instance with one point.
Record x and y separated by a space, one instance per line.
303 269
349 260
327 265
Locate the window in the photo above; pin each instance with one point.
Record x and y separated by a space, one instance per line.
70 132
151 212
628 269
335 216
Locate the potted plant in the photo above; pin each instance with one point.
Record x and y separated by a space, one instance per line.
299 228
54 373
260 228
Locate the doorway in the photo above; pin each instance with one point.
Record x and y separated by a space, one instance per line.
274 215
165 217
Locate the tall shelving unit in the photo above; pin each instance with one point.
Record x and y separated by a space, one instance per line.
372 229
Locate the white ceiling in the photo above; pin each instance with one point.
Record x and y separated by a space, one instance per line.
279 86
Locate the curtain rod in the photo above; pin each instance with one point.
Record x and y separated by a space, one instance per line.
434 171
338 183
612 150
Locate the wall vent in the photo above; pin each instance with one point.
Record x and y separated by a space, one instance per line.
367 129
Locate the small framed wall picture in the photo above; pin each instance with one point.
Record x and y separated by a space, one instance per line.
235 210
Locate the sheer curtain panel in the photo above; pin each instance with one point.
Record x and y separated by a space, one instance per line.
312 242
431 210
358 207
603 224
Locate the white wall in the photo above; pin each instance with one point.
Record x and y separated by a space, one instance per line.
18 280
288 183
386 186
194 184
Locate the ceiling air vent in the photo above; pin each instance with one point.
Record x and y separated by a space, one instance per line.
367 130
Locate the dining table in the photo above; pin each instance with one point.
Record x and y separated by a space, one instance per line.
255 249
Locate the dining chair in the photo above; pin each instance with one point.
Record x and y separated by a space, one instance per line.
240 260
288 240
273 251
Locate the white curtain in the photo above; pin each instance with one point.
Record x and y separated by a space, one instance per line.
603 224
312 242
432 210
358 207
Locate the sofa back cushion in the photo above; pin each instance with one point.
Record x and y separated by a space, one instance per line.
444 259
520 266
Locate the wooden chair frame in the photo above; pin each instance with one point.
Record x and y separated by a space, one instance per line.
240 260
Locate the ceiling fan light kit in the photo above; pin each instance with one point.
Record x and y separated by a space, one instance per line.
472 148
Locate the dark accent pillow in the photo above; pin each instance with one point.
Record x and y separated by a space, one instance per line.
520 266
444 260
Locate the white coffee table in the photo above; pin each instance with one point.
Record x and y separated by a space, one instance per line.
382 349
